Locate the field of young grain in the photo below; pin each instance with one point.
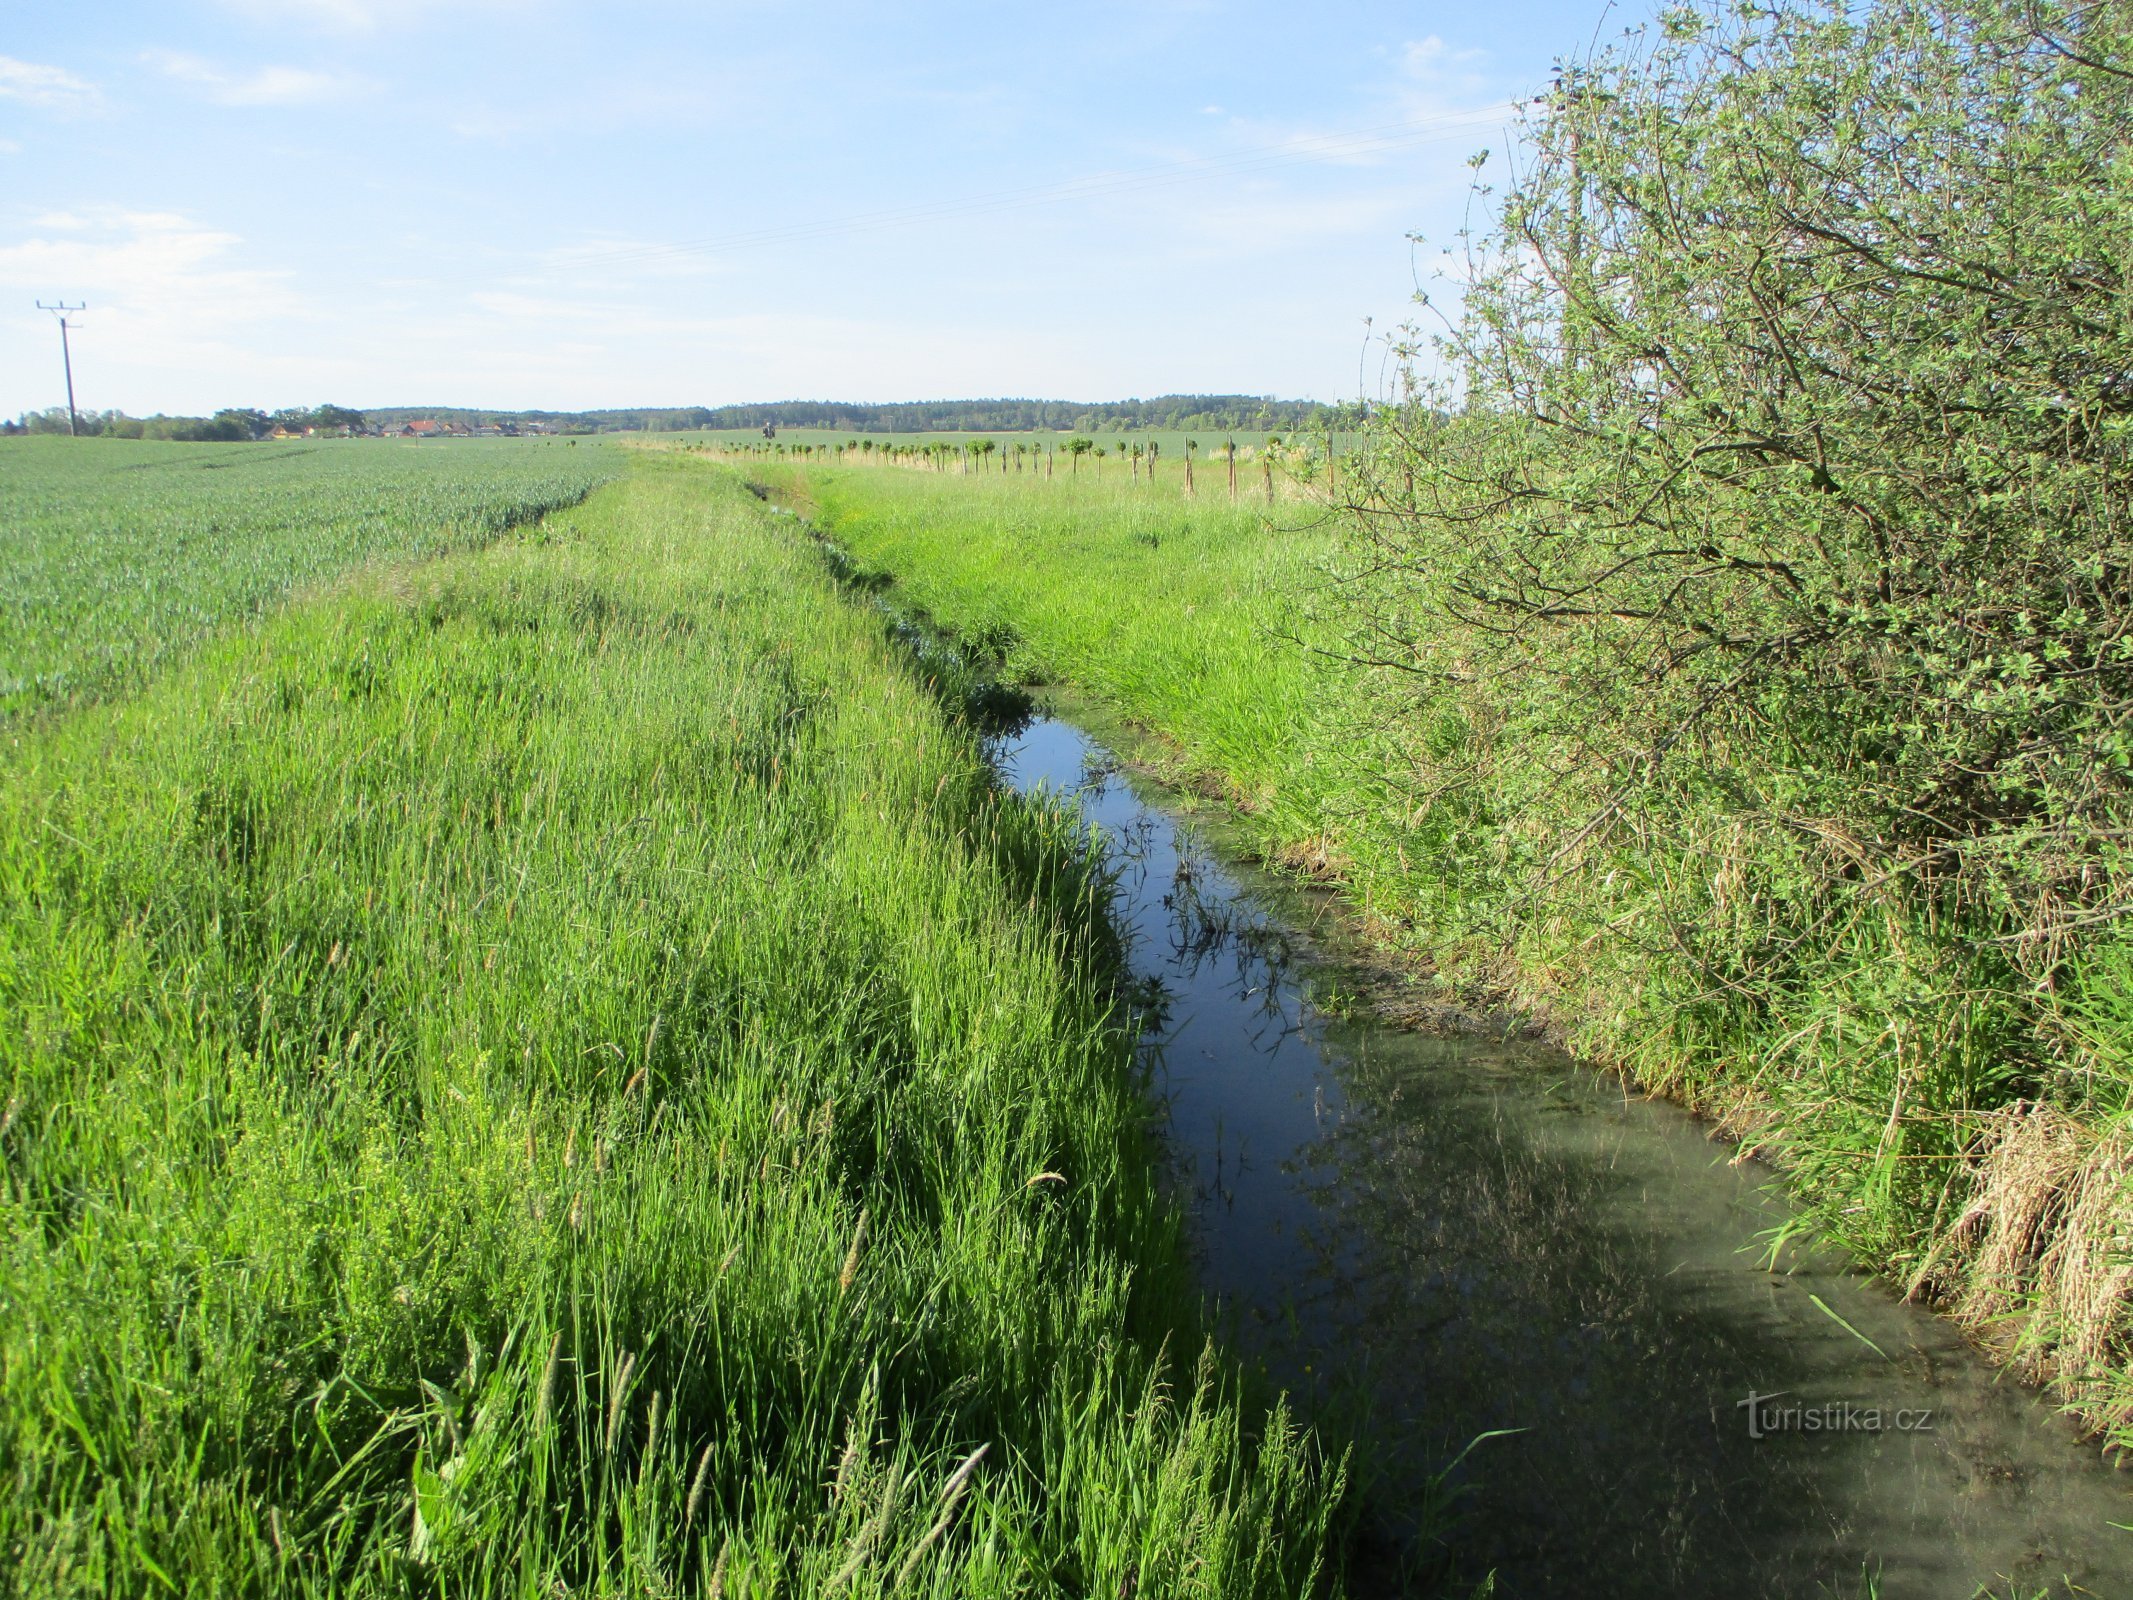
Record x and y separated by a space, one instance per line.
555 1070
115 552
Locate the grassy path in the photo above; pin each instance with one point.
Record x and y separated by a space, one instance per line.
552 1070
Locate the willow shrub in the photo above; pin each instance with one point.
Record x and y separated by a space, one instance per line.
1750 589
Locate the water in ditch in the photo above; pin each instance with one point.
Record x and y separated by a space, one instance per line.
1479 1237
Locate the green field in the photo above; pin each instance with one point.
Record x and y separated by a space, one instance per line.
552 1069
114 553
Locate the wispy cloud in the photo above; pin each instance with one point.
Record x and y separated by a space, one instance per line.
1272 222
1431 57
265 86
1432 77
166 286
36 84
1433 95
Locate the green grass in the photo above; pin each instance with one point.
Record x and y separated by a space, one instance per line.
553 1070
116 554
1186 615
1899 1057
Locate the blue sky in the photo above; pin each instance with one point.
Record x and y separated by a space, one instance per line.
474 202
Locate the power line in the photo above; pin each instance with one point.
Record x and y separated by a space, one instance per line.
1379 140
66 357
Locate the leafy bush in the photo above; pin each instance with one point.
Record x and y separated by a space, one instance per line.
1757 572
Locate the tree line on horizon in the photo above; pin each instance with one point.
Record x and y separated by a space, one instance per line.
1212 412
230 425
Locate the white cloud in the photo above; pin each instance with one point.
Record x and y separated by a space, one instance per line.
167 291
9 147
285 86
268 86
1431 77
39 85
1270 223
1431 57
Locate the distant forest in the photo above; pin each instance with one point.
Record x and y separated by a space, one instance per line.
1211 412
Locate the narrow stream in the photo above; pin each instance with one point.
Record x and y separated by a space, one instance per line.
1477 1237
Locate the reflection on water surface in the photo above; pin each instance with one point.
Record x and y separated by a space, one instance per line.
1480 1236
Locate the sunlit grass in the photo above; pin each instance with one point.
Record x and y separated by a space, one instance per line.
555 1070
1173 609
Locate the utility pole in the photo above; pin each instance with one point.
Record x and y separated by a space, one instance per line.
66 357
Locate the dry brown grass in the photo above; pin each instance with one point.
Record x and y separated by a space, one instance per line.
2039 1266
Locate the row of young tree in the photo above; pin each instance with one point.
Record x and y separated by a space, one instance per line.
1214 413
1308 461
1750 579
230 425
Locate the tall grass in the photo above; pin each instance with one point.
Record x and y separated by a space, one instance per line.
554 1071
1930 1121
1175 611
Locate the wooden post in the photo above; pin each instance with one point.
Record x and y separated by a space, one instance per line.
1230 450
1188 472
